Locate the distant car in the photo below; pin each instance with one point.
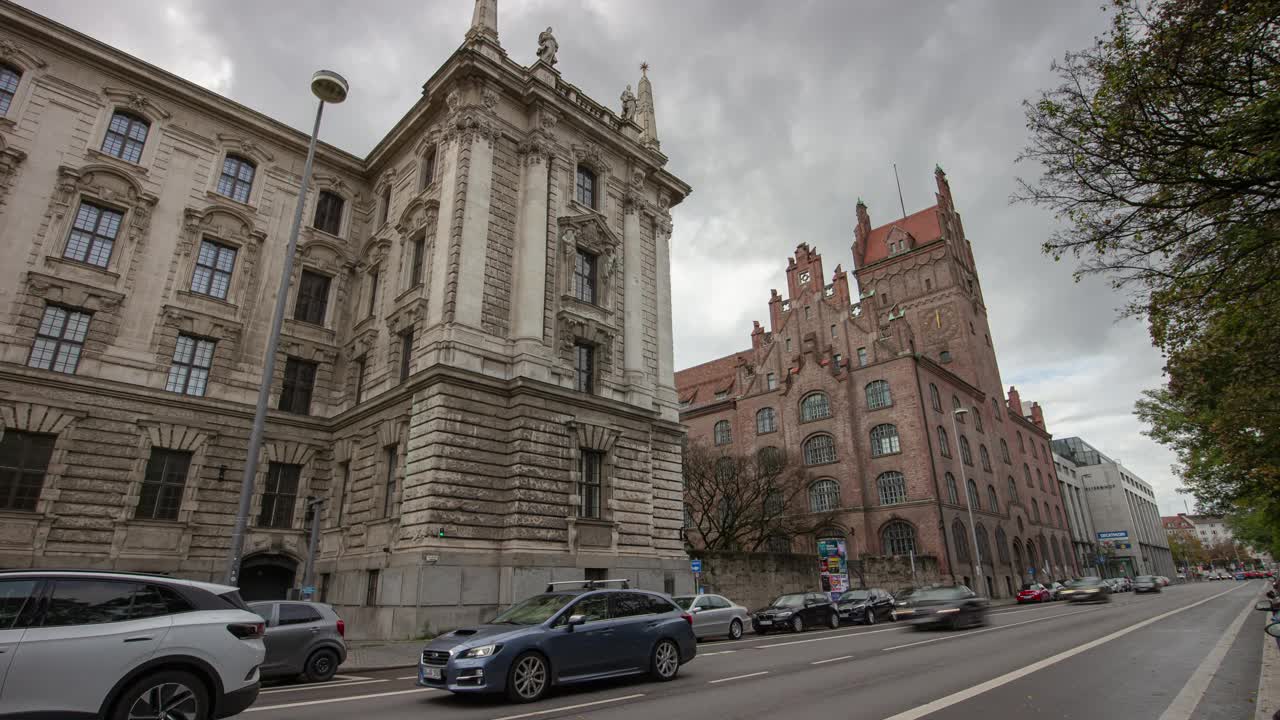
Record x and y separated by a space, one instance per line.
865 606
1181 577
1055 590
1146 584
714 615
1164 580
1241 576
952 607
1122 584
1088 589
796 612
1034 592
303 639
561 637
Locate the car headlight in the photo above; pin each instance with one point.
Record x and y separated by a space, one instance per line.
784 614
1091 590
480 652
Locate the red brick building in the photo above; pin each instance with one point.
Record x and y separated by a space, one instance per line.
862 391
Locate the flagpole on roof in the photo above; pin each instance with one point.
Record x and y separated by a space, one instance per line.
899 182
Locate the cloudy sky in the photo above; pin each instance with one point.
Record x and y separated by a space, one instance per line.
779 114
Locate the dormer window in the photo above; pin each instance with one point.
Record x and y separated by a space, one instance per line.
584 277
585 187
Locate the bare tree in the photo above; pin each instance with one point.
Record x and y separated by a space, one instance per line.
745 502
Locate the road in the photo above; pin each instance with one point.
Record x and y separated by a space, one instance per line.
1192 651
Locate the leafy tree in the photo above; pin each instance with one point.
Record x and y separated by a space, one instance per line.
1186 548
1254 528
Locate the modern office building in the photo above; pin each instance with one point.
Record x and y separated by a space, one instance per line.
1084 539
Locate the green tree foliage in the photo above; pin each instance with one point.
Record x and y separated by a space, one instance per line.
1186 548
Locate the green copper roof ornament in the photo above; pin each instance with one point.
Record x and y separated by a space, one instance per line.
938 168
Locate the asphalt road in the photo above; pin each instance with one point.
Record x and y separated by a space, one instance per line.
1193 651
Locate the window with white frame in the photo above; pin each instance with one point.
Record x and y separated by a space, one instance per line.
884 440
814 406
236 180
59 339
766 421
93 234
214 264
819 450
126 137
878 395
189 371
722 432
892 487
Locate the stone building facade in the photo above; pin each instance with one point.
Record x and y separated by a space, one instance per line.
476 368
861 392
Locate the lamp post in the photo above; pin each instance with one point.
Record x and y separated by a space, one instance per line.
328 87
973 530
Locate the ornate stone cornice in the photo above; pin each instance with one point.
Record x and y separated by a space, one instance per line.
137 101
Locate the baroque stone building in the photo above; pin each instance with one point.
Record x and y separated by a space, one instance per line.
861 392
476 367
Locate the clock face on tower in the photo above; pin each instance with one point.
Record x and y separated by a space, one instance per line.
804 277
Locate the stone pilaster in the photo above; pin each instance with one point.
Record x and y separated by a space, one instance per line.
447 167
639 390
666 356
469 297
529 294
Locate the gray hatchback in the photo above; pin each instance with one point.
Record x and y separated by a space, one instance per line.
303 639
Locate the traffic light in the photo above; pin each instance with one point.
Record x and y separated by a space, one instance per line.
440 533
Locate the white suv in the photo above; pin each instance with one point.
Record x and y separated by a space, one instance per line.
117 646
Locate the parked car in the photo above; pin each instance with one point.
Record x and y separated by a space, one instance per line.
563 636
125 645
1034 592
1055 589
1146 584
951 607
795 612
865 606
714 615
1240 576
1164 580
1088 589
1122 584
303 639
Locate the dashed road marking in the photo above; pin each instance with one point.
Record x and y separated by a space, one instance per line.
548 711
739 677
828 660
326 701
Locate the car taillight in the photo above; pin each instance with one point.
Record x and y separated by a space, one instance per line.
687 618
342 628
247 631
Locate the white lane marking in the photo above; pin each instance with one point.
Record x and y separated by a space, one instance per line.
825 637
824 662
958 697
1185 703
350 677
320 686
718 652
739 677
408 677
984 630
338 699
548 711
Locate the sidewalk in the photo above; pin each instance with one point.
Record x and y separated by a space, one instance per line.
367 656
1268 680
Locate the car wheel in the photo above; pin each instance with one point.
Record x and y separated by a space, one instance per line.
797 625
735 629
528 678
834 621
171 695
321 666
666 661
870 616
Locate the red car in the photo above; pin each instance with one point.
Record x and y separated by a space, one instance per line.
1034 592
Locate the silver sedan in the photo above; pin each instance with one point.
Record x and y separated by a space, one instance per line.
715 616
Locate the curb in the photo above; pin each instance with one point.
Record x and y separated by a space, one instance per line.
1268 697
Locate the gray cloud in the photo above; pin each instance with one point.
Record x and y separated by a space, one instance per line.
779 114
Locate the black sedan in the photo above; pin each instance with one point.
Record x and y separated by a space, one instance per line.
952 607
795 612
865 606
1088 589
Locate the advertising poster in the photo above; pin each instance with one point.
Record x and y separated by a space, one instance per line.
833 566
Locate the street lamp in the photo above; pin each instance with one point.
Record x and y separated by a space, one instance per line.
973 530
328 87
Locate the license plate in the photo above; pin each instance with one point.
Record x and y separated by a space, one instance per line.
766 622
431 673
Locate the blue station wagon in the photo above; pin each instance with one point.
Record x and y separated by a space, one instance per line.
563 636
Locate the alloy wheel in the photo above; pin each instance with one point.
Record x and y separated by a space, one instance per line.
666 660
166 701
735 629
797 624
834 621
530 677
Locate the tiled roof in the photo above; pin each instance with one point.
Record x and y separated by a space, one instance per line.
922 225
700 383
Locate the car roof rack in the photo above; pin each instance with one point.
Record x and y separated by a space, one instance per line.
590 584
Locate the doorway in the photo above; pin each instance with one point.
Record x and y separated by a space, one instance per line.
267 577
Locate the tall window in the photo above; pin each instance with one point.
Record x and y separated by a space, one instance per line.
953 491
384 206
993 500
769 460
878 395
362 366
723 432
590 469
975 501
944 442
329 212
766 421
59 340
995 407
1021 446
770 381
24 460
8 87
898 538
340 497
966 454
584 276
237 178
428 169
955 405
893 488
884 440
1034 453
934 398
313 298
584 360
1002 545
961 540
126 136
1040 477
985 457
419 258
862 357
585 187
189 373
389 496
162 486
93 235
214 264
1047 517
1035 512
1013 490
814 406
977 419
406 353
299 381
1004 452
824 496
1026 473
1057 511
984 544
374 277
279 495
819 450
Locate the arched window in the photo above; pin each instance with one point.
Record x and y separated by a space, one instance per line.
975 502
966 455
9 77
824 496
126 136
1035 512
944 443
984 545
237 178
427 173
993 500
1031 554
884 440
1040 477
1002 545
814 406
961 539
778 544
1013 490
1046 451
977 419
1004 452
1021 446
1057 512
723 433
1034 453
1053 486
766 421
769 460
995 407
955 405
953 494
1057 553
934 397
898 538
893 488
819 450
1026 473
878 395
985 457
1047 517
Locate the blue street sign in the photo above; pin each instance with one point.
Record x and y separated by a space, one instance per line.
1032 571
695 565
309 589
1114 535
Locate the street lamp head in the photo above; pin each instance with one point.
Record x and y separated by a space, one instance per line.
329 86
960 412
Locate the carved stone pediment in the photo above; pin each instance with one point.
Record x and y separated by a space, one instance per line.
589 233
573 328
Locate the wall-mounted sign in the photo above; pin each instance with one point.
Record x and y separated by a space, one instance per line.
1114 535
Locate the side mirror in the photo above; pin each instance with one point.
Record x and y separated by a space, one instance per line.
694 609
1273 629
1262 605
574 621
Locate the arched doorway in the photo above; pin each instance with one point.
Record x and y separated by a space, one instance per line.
266 576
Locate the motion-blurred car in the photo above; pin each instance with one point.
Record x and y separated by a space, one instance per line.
951 607
1164 580
304 639
865 606
1034 592
714 615
1146 584
1087 589
796 612
1055 589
